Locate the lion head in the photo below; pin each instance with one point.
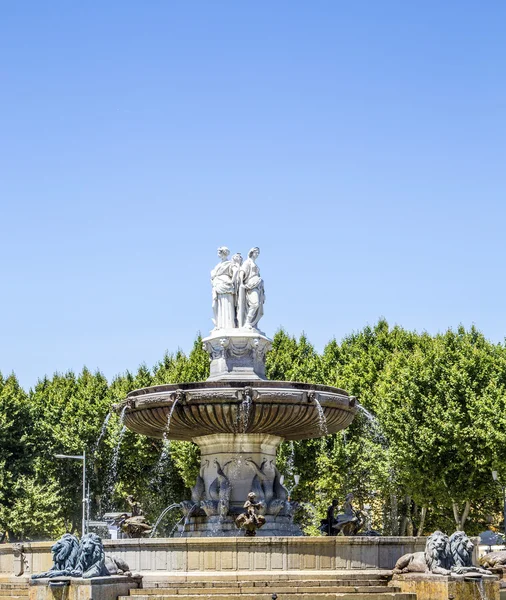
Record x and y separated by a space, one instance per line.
437 551
91 555
65 552
461 549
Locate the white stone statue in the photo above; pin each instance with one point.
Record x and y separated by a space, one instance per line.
250 306
236 266
224 291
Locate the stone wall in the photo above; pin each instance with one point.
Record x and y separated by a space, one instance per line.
226 555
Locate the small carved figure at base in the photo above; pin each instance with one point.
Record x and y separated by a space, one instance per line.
494 560
134 525
351 521
250 520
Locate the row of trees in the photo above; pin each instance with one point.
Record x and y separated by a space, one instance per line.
423 460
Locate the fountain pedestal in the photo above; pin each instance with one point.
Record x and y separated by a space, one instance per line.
236 354
238 456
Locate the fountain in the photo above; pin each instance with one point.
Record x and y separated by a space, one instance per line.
237 417
254 550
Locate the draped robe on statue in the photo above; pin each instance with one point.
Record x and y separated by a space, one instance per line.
223 295
251 295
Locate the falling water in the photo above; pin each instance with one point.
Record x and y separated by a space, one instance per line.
165 453
102 431
374 426
322 420
244 412
162 514
167 428
187 517
113 471
480 586
290 462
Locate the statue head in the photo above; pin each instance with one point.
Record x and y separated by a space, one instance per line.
237 259
65 552
254 252
252 496
223 252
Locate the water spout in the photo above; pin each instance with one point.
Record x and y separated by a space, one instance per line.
322 419
162 514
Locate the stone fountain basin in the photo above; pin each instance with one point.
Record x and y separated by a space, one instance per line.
286 409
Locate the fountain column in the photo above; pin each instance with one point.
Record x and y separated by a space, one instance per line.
239 456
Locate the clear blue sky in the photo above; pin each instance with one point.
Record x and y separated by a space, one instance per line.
361 145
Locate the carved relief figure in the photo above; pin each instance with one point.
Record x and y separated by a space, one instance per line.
222 280
351 521
251 292
250 520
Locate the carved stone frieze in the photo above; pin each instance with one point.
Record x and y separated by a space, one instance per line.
237 356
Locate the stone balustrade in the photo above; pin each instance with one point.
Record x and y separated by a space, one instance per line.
227 555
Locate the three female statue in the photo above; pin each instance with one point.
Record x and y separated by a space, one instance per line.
238 291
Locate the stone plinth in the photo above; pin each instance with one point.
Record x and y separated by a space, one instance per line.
74 588
440 587
237 354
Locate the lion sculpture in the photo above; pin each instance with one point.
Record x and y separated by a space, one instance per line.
436 559
65 554
494 560
461 549
94 562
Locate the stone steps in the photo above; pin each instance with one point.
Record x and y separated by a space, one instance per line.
281 587
291 593
278 589
257 586
14 590
162 580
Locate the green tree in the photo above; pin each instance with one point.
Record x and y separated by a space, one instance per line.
16 452
437 405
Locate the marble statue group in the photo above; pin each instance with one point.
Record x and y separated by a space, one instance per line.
238 291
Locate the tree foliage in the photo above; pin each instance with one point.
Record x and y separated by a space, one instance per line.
432 425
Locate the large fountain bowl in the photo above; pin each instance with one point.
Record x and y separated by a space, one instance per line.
293 411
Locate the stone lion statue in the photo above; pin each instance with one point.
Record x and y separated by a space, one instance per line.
65 554
461 549
94 562
493 560
436 559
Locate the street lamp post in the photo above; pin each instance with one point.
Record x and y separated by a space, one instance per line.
85 499
495 477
